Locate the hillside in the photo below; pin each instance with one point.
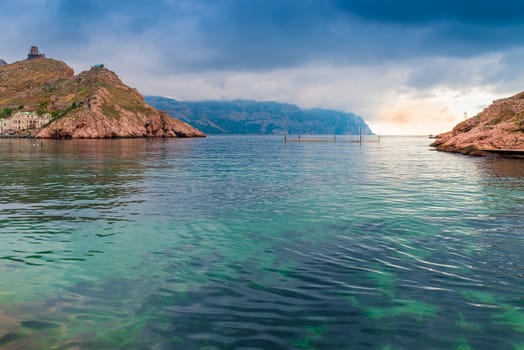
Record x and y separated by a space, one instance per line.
2 62
500 126
92 104
252 117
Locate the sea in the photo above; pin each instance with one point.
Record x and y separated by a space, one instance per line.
247 242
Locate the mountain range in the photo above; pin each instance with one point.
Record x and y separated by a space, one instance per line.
254 117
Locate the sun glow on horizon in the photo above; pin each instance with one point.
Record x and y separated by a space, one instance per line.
434 114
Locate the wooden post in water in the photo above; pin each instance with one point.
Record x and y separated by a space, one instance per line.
360 136
335 138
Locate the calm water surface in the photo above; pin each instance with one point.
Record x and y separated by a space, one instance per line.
249 243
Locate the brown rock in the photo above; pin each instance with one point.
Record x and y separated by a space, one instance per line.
92 104
500 126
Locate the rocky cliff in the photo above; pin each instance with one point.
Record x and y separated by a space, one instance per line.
2 62
500 126
92 104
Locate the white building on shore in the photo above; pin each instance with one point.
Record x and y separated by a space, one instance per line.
21 121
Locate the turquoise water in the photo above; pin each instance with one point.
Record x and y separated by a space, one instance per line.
249 243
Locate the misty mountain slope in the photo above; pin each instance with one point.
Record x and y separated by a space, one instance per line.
253 117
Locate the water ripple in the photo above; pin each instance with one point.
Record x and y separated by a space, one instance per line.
248 243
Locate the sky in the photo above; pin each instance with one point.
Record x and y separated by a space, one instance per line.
406 66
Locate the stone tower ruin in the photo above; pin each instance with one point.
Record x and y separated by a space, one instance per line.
34 53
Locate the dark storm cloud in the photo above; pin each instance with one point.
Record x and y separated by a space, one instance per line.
268 34
263 34
415 11
258 33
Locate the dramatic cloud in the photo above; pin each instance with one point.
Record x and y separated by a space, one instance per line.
398 63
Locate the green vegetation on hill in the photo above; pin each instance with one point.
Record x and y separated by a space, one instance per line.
253 117
48 86
92 104
42 85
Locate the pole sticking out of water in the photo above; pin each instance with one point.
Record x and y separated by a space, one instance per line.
360 136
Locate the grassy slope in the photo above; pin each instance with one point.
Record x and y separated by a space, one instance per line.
47 85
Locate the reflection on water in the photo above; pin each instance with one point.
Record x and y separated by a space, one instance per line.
246 242
502 168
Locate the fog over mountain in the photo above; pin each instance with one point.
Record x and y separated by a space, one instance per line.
254 117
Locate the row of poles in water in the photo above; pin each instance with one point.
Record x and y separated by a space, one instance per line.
299 138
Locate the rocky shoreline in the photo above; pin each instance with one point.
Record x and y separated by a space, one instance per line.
499 127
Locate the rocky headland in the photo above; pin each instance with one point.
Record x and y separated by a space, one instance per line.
498 127
92 104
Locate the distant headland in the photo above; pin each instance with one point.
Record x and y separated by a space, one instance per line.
42 98
498 129
260 117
